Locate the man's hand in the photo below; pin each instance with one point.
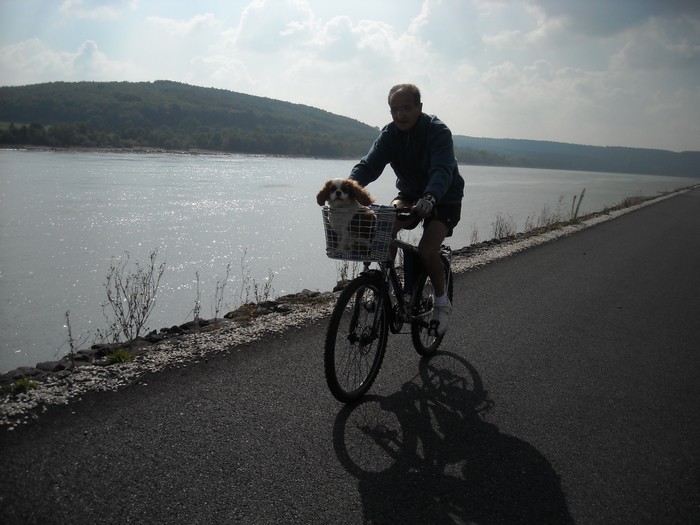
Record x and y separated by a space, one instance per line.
425 205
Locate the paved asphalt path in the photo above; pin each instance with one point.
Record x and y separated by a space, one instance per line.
568 391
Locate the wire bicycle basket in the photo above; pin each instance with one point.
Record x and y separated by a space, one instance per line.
359 234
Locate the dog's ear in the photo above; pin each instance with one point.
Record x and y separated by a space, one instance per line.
361 195
323 195
366 199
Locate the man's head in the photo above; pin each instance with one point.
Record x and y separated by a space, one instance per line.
405 105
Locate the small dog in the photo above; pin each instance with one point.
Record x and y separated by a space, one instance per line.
350 218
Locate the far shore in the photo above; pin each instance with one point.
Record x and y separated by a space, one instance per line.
204 152
152 151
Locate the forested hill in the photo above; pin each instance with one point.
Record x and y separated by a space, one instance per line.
174 116
558 155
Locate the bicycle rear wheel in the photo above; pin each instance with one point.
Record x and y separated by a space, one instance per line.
356 339
423 301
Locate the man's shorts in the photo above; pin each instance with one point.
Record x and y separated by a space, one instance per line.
448 214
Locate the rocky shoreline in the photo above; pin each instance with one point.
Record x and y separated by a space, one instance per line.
99 354
26 392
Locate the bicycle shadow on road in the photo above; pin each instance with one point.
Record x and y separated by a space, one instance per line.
425 455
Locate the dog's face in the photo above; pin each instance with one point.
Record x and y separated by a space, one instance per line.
343 193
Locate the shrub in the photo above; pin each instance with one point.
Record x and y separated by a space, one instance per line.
504 226
131 295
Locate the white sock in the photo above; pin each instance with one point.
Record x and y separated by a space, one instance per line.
442 300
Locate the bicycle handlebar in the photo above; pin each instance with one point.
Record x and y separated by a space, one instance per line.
407 213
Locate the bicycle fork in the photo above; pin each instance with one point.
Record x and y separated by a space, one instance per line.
369 305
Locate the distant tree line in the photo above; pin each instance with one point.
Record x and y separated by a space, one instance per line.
227 140
174 116
558 155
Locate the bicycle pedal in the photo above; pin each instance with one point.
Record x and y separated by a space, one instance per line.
433 328
370 306
397 320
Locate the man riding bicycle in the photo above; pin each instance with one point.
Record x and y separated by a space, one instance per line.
420 150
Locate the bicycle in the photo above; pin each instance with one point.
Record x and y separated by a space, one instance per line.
375 302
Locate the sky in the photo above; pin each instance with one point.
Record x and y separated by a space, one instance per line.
596 72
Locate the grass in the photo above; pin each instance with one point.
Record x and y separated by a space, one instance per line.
251 290
23 385
120 356
503 226
219 292
131 294
20 386
553 218
632 201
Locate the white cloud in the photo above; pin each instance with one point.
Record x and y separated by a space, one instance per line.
588 107
32 61
270 25
334 41
606 18
222 71
181 28
661 45
588 72
96 10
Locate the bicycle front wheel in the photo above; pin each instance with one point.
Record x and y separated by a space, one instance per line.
424 342
356 339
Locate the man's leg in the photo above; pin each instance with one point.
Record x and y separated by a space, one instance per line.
429 247
433 236
399 224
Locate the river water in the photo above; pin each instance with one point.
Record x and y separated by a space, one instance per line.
65 216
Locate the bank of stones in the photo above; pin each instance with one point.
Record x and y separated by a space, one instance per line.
28 391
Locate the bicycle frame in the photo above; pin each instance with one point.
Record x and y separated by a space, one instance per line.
392 287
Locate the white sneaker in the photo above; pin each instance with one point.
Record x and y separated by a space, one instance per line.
441 318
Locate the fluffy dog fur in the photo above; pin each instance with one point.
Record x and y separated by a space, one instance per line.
350 218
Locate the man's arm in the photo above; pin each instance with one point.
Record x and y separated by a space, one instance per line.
372 165
442 160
